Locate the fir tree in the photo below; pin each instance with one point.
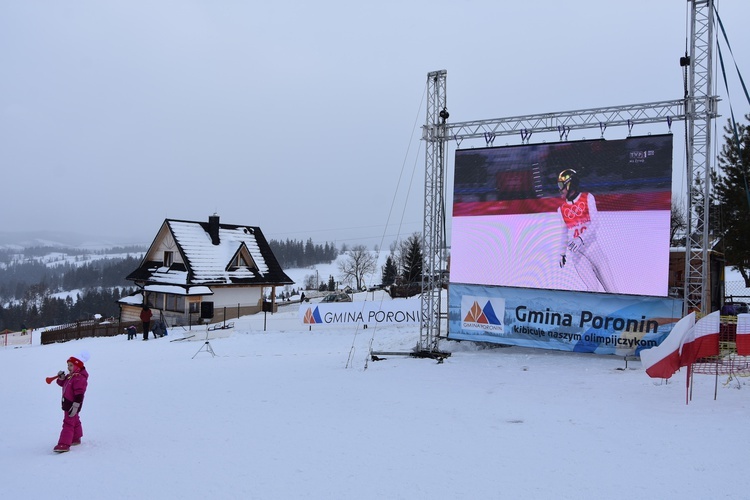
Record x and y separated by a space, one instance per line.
411 271
732 197
390 272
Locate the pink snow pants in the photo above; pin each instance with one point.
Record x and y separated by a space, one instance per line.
71 429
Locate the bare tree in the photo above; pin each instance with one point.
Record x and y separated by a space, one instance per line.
677 224
358 263
311 282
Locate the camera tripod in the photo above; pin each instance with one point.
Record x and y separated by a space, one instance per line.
206 346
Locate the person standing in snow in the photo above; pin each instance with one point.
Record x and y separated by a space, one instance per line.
146 318
73 390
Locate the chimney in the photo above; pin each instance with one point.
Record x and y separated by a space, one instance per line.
213 228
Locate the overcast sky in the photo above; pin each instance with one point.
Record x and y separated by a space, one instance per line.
303 118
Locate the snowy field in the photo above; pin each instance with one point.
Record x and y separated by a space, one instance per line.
291 413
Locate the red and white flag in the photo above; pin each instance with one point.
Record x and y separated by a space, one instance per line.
663 361
702 341
743 334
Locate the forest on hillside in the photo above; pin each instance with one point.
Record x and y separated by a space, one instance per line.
295 254
43 286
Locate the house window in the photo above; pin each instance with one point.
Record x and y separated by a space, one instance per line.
175 303
168 258
155 300
239 261
151 299
195 307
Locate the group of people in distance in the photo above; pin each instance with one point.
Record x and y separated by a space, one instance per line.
159 330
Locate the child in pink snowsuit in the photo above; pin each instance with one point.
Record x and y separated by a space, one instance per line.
73 389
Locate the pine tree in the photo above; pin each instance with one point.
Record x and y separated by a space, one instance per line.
412 260
390 272
310 254
732 198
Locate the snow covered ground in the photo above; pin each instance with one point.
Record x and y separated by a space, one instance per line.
294 413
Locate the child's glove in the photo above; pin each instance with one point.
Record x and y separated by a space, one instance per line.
61 374
74 409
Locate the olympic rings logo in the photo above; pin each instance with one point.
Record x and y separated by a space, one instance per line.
575 210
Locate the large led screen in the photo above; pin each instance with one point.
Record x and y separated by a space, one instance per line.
583 216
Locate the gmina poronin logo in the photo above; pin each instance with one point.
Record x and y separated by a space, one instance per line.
312 317
483 313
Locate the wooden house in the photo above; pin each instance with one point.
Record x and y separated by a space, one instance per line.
204 271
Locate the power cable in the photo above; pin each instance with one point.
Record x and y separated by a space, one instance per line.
736 137
388 220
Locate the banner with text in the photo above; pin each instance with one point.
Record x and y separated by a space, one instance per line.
388 312
560 320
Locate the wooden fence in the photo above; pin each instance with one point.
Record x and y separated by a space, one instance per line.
85 329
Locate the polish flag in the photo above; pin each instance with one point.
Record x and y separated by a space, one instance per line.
743 334
663 361
702 341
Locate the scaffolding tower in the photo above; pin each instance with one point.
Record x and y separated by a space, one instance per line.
433 229
701 107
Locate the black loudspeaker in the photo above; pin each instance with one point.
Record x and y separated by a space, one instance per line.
267 306
207 310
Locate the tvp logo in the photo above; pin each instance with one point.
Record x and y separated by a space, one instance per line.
483 313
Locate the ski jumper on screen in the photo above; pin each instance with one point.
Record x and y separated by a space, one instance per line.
578 239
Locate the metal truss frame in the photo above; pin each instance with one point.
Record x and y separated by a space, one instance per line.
564 122
702 105
433 229
698 108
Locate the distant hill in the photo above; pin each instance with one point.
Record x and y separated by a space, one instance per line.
27 239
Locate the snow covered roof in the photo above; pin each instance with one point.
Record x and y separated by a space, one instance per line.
133 299
212 254
178 290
